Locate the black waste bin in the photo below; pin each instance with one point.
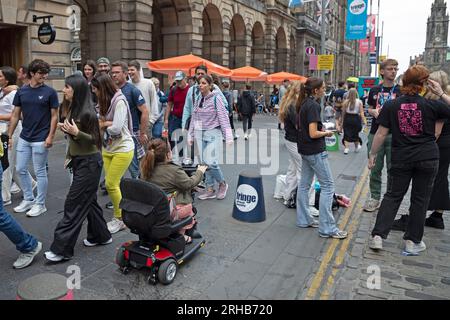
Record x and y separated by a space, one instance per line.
249 205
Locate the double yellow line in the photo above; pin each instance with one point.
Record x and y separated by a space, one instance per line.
327 263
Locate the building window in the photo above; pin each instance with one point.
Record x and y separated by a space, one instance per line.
436 57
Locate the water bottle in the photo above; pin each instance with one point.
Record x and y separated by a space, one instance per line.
317 186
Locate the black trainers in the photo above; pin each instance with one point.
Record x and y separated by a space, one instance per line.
435 220
401 224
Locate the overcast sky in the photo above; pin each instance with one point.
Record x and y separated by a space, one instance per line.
405 24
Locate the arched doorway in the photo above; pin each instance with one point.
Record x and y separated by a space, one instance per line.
172 29
212 48
258 46
292 55
280 50
238 46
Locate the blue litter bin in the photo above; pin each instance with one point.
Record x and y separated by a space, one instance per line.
249 204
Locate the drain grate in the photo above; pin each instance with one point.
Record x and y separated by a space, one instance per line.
346 177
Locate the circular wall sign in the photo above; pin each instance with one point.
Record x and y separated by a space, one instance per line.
46 33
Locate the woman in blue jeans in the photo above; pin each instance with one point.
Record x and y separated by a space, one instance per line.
24 242
210 125
311 145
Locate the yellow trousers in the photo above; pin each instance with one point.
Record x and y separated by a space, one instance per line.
115 165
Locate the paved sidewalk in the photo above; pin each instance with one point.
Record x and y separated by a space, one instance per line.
426 276
269 260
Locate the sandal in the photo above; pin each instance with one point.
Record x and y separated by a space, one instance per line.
187 239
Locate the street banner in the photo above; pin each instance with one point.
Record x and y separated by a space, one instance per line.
313 62
325 62
366 83
356 27
364 43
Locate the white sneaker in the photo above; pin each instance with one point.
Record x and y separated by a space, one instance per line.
15 188
91 244
314 212
53 257
376 243
25 259
414 248
358 148
24 206
36 210
116 225
7 203
346 150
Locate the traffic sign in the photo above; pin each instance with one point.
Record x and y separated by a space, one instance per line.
310 51
325 62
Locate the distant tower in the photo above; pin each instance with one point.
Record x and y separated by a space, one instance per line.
437 36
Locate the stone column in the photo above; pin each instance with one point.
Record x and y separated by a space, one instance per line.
270 45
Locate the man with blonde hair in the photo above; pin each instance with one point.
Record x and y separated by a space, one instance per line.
378 96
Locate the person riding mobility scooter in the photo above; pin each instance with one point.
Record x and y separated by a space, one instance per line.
161 248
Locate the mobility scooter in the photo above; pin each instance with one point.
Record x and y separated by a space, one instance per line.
161 248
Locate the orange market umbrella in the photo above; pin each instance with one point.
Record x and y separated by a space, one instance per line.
248 74
279 77
187 64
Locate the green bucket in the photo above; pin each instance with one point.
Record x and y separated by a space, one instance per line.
332 143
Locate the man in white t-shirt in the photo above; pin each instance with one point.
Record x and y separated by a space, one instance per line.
148 90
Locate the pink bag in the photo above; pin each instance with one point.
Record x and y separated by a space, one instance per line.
180 211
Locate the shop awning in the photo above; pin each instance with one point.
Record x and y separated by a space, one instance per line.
279 77
248 74
187 64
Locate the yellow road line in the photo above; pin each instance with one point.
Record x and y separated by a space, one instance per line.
341 254
318 278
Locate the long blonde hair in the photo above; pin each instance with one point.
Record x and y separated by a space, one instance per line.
351 99
442 78
289 99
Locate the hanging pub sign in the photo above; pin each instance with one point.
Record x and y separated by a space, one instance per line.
46 31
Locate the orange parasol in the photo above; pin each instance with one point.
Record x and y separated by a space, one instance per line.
248 74
281 76
187 64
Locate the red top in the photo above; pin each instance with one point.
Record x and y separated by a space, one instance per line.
178 96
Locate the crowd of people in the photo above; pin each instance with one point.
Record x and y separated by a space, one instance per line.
115 121
409 132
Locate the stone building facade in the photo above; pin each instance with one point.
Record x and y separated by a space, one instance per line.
233 33
348 61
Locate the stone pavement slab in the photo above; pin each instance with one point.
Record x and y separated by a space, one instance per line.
423 277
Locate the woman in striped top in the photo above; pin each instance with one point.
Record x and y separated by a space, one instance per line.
209 126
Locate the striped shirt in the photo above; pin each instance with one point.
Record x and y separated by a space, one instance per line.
210 113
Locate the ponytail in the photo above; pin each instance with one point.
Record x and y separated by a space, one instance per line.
301 97
156 154
308 89
148 164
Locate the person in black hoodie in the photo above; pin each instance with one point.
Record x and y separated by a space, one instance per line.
247 108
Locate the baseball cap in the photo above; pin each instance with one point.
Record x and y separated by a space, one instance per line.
179 76
103 60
